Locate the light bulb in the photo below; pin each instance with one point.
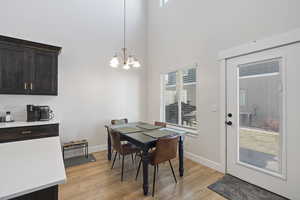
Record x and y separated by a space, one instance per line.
130 60
114 62
126 66
136 64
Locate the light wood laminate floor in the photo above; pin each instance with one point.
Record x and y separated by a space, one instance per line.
96 181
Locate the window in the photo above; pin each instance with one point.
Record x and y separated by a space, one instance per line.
163 3
179 98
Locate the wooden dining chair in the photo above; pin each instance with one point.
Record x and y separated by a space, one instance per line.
162 124
119 121
166 150
122 149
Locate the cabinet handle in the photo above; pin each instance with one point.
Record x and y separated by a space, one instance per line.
25 86
31 86
25 132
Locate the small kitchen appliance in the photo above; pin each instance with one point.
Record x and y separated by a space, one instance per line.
46 113
39 113
33 113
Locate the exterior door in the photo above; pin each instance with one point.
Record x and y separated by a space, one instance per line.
263 119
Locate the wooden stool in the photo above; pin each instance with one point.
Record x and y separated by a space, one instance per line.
81 144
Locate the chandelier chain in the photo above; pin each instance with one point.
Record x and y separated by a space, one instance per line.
124 13
124 58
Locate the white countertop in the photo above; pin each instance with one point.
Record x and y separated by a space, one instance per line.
31 165
22 124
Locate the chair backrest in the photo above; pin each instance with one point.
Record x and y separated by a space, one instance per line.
166 149
119 121
162 124
115 141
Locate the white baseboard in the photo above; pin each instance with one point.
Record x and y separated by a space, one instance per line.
189 155
198 159
203 161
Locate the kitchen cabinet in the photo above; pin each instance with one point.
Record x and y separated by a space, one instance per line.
50 193
43 73
27 133
28 68
13 69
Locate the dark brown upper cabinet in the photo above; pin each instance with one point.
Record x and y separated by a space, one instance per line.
28 68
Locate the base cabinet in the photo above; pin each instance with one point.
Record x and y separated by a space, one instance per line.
28 133
45 194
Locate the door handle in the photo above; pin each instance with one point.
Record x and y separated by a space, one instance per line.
229 123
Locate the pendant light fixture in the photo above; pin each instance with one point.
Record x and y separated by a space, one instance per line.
124 59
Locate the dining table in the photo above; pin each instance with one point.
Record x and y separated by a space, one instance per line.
144 136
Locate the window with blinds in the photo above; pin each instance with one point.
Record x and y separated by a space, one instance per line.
180 97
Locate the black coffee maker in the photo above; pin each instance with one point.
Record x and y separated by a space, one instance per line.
33 113
39 113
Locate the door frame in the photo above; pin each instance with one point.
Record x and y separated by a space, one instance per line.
280 40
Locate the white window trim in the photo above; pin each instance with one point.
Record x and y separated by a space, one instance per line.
193 132
179 87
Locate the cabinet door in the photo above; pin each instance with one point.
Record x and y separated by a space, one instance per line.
43 73
13 70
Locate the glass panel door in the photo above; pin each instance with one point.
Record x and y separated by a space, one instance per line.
260 114
262 119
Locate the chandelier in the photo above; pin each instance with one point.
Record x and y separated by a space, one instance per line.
123 58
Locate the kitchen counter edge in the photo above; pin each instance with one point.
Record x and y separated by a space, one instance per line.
24 124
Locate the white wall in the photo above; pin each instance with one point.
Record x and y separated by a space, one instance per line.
189 31
184 32
90 32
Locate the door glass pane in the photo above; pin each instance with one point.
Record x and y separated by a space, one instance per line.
260 106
